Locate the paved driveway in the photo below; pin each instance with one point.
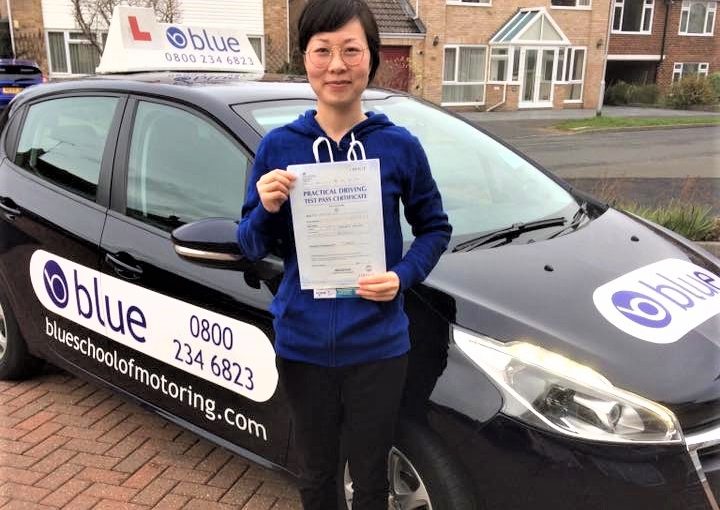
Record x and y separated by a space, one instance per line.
68 444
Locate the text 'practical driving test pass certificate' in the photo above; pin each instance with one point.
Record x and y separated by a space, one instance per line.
338 223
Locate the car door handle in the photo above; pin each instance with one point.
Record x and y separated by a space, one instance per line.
124 269
10 207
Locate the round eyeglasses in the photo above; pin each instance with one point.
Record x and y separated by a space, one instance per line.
321 56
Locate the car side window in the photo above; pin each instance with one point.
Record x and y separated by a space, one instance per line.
182 168
62 140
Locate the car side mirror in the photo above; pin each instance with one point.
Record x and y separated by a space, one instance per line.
210 242
213 242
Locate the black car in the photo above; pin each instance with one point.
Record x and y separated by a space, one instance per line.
565 355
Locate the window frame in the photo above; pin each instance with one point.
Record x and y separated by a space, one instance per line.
102 196
679 69
561 66
262 46
576 7
508 65
67 41
686 6
120 173
569 69
470 3
620 4
457 61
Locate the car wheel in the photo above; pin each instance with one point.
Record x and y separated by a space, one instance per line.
422 474
15 361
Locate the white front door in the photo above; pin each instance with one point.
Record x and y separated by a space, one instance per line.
537 68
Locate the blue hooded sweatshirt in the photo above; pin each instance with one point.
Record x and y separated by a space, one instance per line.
340 332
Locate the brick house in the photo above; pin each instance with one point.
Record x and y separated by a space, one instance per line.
515 54
660 41
402 36
46 31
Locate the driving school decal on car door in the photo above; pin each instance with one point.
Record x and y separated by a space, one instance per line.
232 354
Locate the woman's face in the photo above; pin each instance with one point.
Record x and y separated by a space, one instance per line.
337 83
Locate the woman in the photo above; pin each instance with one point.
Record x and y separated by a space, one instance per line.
342 362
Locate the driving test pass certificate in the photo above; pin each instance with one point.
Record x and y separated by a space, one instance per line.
338 223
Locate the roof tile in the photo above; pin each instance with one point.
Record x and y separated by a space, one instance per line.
395 17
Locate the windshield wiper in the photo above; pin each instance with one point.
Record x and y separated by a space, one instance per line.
580 215
509 233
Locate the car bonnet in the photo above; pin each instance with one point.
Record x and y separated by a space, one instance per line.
602 296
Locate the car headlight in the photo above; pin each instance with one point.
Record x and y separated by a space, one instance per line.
550 391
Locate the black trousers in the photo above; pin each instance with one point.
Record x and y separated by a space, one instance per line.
360 401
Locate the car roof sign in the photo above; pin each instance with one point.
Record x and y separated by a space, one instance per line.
138 42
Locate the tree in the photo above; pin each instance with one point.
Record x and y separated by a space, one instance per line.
94 15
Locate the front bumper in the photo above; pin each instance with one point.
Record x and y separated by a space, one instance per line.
515 467
704 449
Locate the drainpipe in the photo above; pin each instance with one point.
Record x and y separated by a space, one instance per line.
12 29
601 98
668 5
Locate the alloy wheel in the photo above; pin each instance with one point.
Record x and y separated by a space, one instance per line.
407 489
3 333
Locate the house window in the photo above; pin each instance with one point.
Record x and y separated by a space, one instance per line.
73 53
571 4
681 70
697 18
499 64
634 16
464 75
469 2
257 44
560 72
574 72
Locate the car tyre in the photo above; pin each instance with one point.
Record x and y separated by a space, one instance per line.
423 474
15 360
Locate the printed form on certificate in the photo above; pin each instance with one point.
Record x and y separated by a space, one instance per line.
338 223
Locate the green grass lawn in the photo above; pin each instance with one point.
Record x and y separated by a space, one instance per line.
596 123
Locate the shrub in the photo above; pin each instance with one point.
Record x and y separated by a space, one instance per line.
645 94
714 80
631 93
693 90
617 93
695 222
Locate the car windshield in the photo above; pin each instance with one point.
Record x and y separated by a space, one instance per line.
484 185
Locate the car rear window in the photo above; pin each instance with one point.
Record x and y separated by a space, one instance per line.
15 72
63 141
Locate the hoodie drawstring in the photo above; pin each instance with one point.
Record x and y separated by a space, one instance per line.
352 154
316 149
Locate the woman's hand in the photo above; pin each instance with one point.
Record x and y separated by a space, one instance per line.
273 188
379 287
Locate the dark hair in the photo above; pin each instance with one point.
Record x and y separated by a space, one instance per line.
329 15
